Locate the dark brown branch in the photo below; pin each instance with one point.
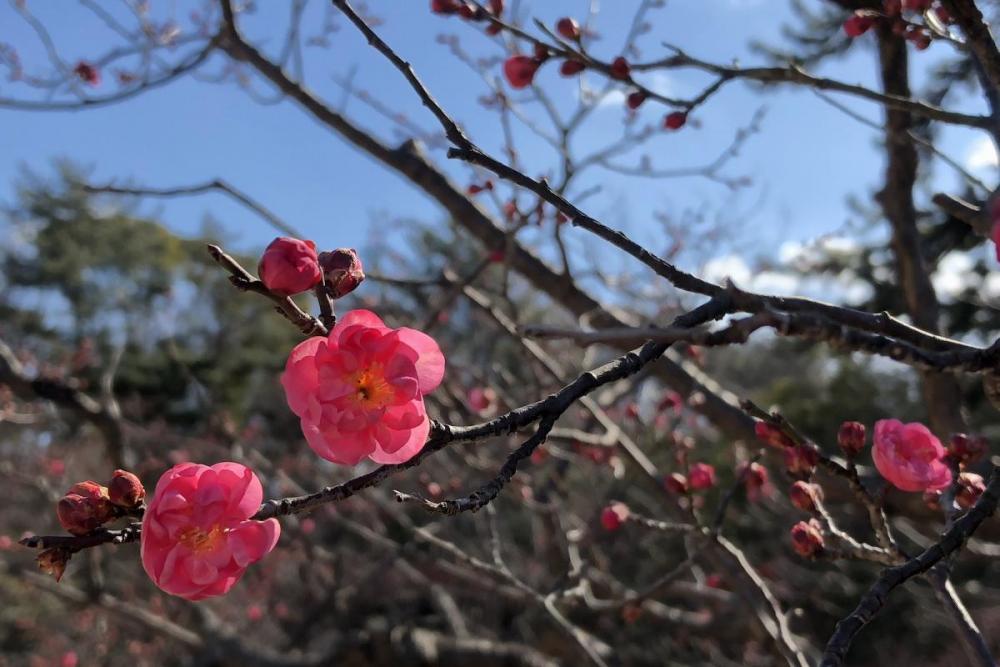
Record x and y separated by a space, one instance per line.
876 597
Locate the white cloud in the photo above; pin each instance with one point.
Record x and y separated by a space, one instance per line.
954 273
728 266
982 154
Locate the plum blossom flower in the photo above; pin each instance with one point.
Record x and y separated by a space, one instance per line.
197 533
909 456
360 391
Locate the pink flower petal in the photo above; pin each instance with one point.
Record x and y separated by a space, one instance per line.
430 362
412 447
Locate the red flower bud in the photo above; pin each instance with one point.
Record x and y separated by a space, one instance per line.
701 476
757 480
614 515
496 7
541 53
916 5
84 508
620 69
851 438
970 487
858 24
571 67
967 449
494 29
568 28
771 435
342 271
919 37
467 11
943 14
125 490
807 538
635 99
88 73
289 266
520 71
675 120
676 483
805 496
801 460
444 6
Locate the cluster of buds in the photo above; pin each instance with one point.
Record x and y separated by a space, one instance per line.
894 13
291 266
88 505
807 538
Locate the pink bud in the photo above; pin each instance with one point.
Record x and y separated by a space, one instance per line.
520 71
620 69
125 490
807 538
568 28
967 449
88 73
805 496
701 476
675 120
571 67
342 271
676 483
85 508
254 613
851 438
482 399
614 515
858 24
757 480
289 266
970 487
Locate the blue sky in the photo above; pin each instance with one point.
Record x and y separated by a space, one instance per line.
808 158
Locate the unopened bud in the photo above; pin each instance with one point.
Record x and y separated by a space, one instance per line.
805 496
84 508
967 449
125 490
851 438
807 538
970 487
342 271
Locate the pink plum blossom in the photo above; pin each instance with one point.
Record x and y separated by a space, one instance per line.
909 456
197 534
360 391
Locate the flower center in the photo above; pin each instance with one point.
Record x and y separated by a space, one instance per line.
200 541
373 391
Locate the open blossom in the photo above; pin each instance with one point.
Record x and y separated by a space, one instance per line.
360 391
197 535
290 266
909 456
